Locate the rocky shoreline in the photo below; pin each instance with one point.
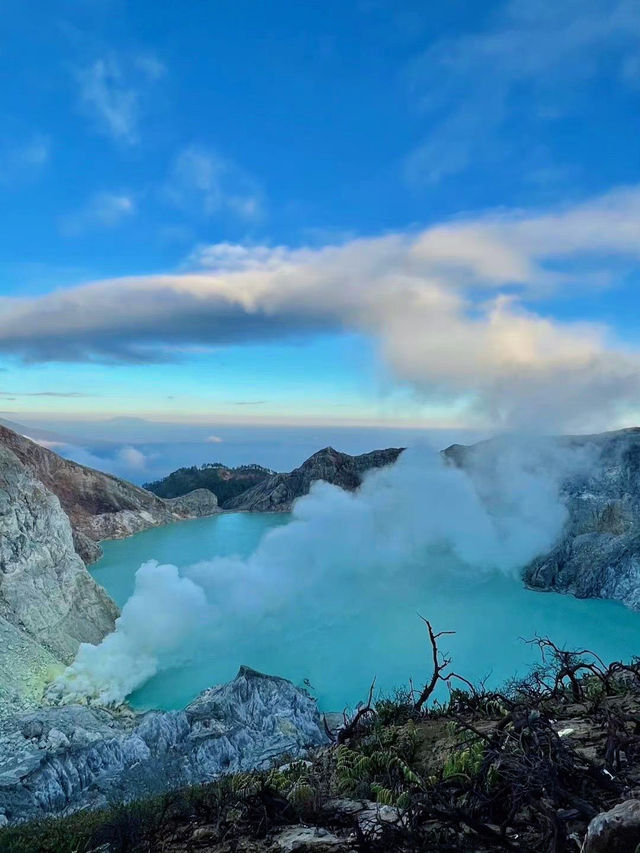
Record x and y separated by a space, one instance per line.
598 552
57 759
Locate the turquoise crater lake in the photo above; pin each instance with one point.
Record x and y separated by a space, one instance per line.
371 629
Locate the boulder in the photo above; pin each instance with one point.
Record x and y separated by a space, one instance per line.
615 831
307 839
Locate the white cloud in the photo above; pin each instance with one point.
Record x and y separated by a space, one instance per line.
23 160
452 308
203 181
213 439
131 457
103 210
112 91
540 51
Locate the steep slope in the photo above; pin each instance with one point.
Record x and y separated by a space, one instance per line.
99 505
49 603
278 492
598 554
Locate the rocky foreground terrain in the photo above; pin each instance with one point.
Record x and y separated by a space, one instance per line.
550 764
59 759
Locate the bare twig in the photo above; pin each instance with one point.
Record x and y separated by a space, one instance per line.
440 663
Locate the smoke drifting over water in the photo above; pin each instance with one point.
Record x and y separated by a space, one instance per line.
421 515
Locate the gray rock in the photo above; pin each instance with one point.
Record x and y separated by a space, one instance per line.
57 740
94 756
278 492
307 839
32 728
598 553
615 831
52 514
195 504
370 817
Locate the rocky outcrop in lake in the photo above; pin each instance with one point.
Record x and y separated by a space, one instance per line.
598 553
59 759
100 506
278 492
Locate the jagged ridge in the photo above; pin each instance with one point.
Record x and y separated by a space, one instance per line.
278 492
63 758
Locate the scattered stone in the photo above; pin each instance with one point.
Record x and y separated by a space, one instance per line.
370 817
308 839
57 740
615 831
204 833
32 728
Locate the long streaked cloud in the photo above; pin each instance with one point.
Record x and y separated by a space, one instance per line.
542 52
452 307
68 394
112 91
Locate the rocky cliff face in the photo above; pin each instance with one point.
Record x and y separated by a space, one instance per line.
49 603
60 759
99 505
598 554
52 512
278 492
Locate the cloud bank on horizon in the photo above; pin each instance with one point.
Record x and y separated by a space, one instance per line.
457 309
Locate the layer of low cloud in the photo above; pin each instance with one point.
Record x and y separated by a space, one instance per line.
452 307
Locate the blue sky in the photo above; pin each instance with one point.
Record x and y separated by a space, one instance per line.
346 212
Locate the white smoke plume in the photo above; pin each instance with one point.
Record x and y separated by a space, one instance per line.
420 515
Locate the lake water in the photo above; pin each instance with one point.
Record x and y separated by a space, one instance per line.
338 639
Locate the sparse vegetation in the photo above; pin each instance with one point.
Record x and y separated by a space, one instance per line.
520 769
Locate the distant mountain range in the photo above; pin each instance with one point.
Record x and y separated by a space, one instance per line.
257 489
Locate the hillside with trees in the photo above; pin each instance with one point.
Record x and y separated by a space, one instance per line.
226 483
